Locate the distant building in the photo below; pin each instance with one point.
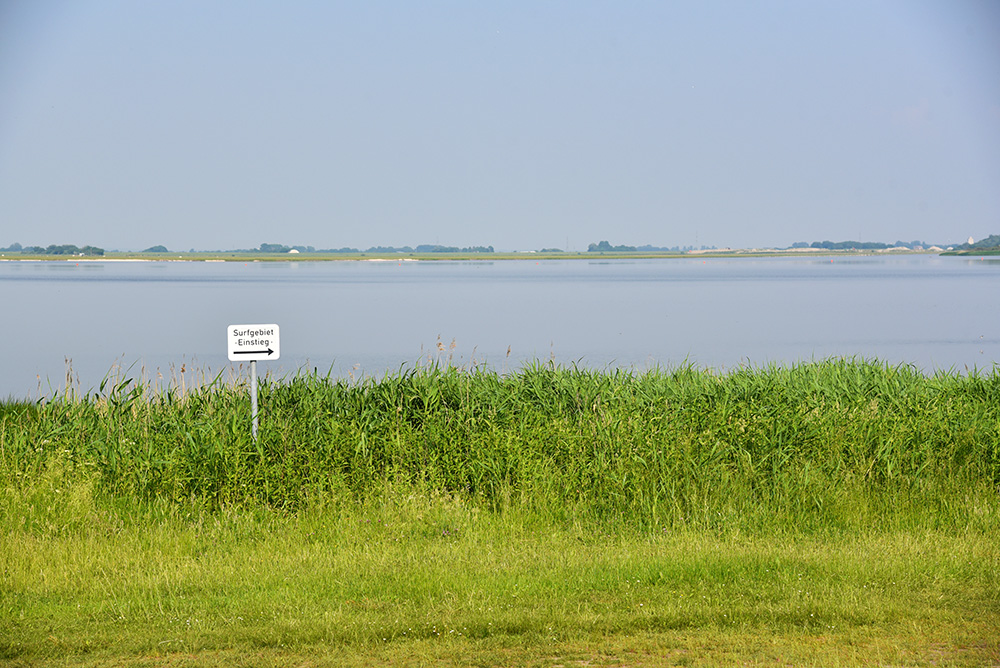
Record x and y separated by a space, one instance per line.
294 250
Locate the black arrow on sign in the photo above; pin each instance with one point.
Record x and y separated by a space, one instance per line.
253 352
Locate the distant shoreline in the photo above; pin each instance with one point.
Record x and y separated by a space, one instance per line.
464 257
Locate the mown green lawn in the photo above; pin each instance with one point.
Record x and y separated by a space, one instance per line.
432 581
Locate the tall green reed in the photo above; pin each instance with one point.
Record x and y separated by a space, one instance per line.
841 443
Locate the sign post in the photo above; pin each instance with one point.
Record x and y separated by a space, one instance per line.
249 343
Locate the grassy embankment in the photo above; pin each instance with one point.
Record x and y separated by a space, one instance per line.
835 513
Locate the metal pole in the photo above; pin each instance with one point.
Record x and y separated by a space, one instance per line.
253 397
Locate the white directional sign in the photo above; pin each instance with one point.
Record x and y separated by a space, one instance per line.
247 343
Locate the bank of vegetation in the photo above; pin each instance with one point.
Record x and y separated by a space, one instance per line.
827 445
842 512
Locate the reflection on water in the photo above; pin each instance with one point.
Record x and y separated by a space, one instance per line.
369 317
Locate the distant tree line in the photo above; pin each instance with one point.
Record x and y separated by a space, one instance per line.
423 248
428 248
606 247
64 249
859 245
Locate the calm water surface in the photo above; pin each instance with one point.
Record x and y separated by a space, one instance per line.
369 317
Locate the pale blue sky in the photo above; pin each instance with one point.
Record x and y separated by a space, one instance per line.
520 125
